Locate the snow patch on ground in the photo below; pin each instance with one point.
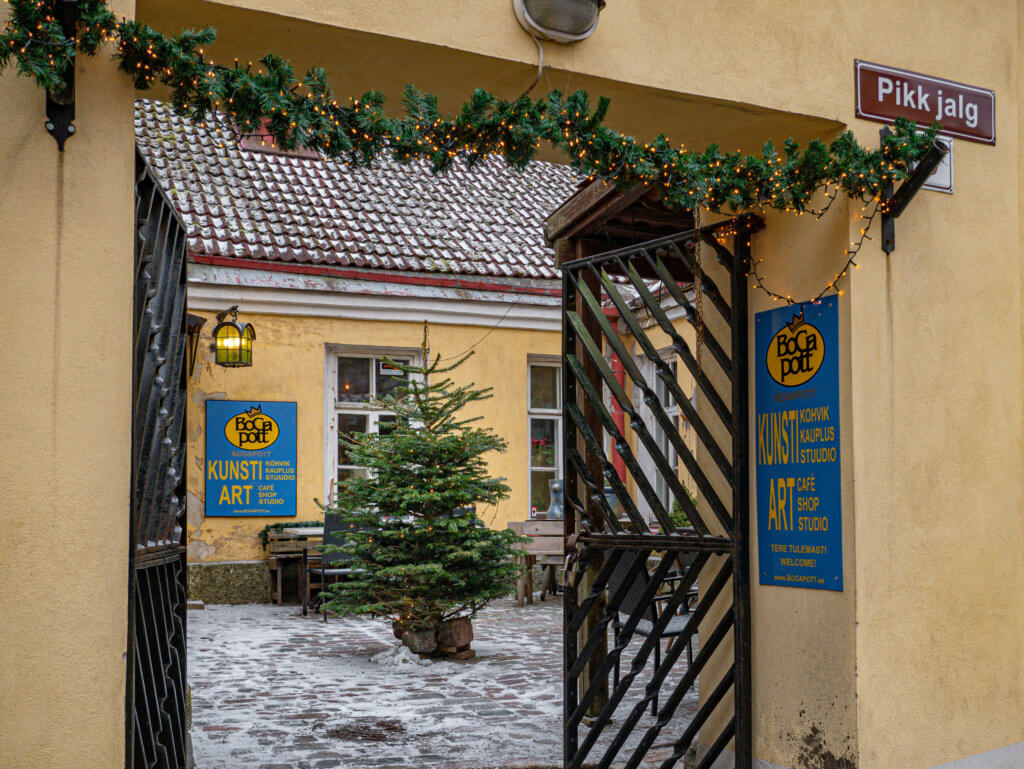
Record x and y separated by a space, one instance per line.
275 690
400 655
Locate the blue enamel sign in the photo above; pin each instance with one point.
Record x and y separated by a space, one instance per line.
799 484
250 458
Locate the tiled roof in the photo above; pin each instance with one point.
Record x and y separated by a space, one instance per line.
276 207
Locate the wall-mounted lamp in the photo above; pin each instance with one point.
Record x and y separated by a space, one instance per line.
564 21
232 342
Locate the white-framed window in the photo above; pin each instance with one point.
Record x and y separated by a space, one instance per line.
661 438
668 403
355 377
544 399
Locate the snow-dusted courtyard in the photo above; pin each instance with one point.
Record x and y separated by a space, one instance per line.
274 690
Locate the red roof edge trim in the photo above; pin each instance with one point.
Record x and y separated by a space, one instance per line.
390 277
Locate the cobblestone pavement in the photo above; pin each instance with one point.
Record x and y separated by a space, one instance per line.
274 690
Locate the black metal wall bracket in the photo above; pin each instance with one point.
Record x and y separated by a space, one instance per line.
894 203
60 105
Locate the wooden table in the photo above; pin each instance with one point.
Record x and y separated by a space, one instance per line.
546 547
284 548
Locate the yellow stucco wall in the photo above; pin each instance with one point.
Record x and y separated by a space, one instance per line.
65 352
804 641
288 364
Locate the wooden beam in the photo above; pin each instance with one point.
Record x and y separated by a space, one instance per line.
592 625
586 209
674 220
631 235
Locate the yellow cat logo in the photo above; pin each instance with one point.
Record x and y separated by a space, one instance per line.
251 430
795 353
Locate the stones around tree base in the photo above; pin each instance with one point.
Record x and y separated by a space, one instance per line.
455 634
421 642
451 640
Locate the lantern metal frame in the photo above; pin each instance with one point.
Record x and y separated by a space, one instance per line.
194 326
232 355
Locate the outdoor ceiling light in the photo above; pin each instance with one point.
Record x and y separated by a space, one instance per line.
232 342
564 21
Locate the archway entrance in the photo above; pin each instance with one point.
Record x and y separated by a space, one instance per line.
654 366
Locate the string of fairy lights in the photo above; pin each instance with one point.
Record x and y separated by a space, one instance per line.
868 212
268 98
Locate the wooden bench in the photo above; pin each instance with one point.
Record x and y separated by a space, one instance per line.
284 550
547 548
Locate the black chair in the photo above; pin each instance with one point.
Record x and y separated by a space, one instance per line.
649 619
332 565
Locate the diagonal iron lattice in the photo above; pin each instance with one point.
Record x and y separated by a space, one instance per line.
633 575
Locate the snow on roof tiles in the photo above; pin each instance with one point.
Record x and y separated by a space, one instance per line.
275 207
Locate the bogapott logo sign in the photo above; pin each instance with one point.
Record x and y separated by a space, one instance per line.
795 353
251 430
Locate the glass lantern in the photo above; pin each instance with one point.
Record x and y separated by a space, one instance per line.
232 342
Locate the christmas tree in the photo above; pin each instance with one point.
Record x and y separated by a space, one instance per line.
421 554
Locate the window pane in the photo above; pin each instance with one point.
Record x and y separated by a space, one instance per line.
662 390
673 456
542 442
388 378
543 387
344 473
354 380
348 424
664 396
540 492
386 423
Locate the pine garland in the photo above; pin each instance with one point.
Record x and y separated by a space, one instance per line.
304 113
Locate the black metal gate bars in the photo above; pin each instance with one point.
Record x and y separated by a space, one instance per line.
652 333
157 692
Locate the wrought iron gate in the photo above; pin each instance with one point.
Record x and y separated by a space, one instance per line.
645 579
157 692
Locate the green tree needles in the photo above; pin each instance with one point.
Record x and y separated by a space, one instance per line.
423 554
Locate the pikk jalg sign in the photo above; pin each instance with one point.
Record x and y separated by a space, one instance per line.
799 492
885 93
250 458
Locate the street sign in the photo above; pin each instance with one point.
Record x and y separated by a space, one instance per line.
941 179
885 93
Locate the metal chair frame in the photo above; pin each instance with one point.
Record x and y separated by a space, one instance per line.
333 529
632 600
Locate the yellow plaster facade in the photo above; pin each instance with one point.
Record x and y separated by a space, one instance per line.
288 365
916 665
65 406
